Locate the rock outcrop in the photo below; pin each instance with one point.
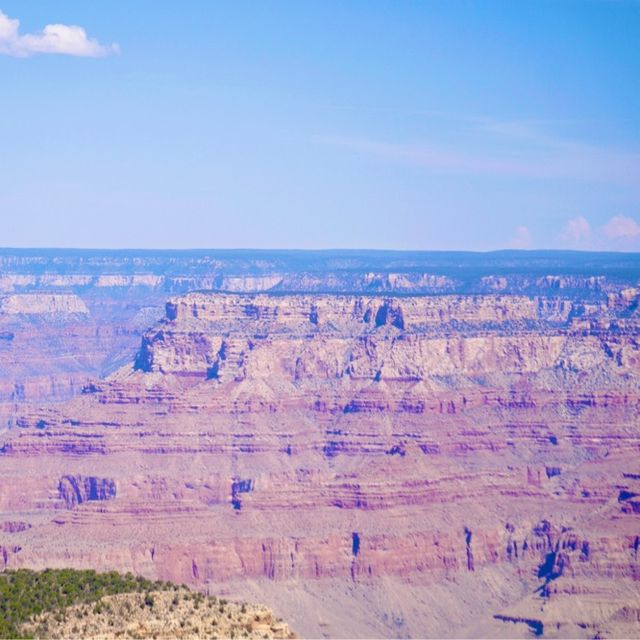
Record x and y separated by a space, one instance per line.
74 490
168 614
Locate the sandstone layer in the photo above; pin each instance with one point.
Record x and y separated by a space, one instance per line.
365 465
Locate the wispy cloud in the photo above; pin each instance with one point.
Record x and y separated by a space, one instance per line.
70 40
509 150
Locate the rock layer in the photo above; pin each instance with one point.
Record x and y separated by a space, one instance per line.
67 316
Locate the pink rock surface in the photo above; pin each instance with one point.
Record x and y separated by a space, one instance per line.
418 465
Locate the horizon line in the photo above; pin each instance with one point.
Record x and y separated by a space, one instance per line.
324 250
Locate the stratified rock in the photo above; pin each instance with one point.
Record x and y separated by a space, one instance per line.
42 304
403 465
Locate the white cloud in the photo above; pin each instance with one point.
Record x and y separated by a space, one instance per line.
620 233
577 232
622 228
64 39
522 239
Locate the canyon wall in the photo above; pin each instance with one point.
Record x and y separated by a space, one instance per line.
460 464
69 316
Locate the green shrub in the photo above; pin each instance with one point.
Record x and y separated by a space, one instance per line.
25 593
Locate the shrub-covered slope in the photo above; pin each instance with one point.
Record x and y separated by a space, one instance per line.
66 603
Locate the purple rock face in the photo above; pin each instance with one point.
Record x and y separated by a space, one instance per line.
74 490
364 449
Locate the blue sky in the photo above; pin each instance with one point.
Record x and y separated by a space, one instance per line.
360 124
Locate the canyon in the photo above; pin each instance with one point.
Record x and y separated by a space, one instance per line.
68 316
371 444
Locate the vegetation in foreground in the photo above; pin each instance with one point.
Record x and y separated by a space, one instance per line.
25 593
67 603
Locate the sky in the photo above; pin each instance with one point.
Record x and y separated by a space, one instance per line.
427 124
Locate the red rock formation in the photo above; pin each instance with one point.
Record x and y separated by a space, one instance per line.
479 448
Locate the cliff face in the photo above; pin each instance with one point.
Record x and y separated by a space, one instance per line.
68 316
367 338
42 304
53 344
457 464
